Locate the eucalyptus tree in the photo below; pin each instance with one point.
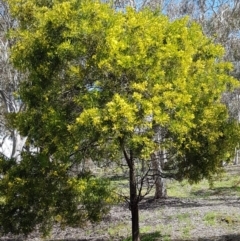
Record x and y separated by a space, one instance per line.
11 141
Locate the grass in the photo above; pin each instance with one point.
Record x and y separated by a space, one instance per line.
225 185
186 232
155 236
210 218
218 218
147 229
117 230
183 217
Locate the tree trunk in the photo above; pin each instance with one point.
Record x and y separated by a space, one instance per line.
12 145
157 159
236 156
135 222
134 200
17 145
134 203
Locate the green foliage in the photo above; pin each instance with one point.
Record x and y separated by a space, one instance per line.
204 149
39 192
96 196
106 78
34 192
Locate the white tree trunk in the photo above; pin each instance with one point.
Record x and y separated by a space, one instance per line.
157 159
12 145
236 156
11 142
18 144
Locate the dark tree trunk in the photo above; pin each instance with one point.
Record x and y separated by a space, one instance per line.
134 204
134 199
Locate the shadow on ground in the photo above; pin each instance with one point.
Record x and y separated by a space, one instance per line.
217 191
155 236
151 203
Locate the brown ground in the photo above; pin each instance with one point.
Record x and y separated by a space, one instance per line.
215 218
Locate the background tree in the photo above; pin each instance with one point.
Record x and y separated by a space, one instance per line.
11 141
98 82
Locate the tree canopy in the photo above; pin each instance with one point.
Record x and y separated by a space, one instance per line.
99 82
114 78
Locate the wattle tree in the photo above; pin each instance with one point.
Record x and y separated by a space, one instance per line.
101 83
